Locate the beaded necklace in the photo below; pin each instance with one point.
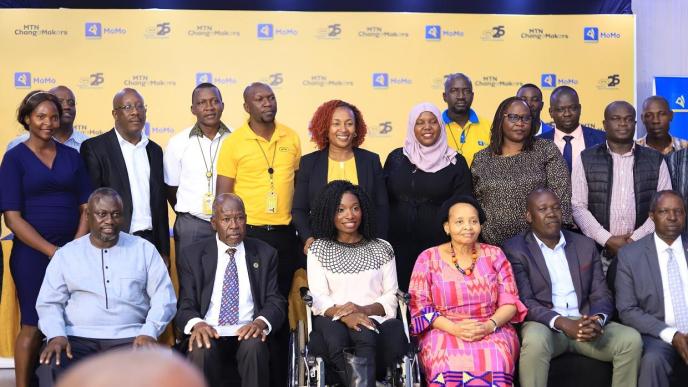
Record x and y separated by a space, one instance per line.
474 258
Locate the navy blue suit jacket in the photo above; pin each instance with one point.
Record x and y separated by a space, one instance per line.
591 136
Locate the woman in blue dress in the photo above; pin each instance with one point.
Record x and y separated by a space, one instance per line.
44 191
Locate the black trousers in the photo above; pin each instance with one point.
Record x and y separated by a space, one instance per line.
82 348
383 349
288 246
189 229
251 358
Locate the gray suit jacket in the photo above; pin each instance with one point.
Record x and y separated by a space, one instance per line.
535 285
639 292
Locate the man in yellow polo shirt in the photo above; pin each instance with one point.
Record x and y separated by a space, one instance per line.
466 133
258 162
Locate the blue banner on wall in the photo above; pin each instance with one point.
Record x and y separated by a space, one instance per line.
675 90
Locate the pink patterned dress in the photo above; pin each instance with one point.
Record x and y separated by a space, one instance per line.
438 289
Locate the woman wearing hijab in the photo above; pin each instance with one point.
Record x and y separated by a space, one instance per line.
420 177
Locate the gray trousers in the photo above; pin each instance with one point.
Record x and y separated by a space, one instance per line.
189 229
657 363
251 358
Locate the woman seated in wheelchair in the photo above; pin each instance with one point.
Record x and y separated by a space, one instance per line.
463 299
353 281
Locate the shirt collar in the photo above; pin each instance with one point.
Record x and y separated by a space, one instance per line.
577 133
122 141
560 244
663 246
222 246
629 153
196 130
472 117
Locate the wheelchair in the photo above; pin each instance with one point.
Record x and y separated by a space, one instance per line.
307 370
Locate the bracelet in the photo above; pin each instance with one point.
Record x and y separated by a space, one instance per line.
495 324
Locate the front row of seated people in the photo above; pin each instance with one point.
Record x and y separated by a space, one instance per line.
108 289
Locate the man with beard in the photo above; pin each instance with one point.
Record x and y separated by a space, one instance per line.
533 97
105 290
466 133
656 117
126 160
66 134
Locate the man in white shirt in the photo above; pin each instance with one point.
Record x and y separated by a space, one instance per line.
652 291
126 160
190 163
560 280
228 298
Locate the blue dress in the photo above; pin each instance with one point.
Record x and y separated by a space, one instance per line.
48 200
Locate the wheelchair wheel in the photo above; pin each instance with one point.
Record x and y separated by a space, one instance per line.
293 378
301 348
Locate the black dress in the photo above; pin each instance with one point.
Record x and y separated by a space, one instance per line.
414 198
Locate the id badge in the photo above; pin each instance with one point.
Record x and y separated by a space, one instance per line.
271 203
208 199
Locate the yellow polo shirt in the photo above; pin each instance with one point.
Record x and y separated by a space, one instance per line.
246 157
471 138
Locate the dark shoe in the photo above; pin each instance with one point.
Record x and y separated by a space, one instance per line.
359 371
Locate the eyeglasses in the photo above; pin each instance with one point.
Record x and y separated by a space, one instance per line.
131 108
514 118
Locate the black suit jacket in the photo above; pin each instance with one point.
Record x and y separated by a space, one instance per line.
591 136
639 290
312 177
197 277
535 285
105 164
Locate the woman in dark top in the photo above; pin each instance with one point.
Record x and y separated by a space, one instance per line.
420 177
44 191
338 129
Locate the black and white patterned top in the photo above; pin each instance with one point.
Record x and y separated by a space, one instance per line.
363 273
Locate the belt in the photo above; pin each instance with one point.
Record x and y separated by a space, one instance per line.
269 227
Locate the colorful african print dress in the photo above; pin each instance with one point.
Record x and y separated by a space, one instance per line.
438 289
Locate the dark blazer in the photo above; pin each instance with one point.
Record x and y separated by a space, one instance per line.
590 136
639 292
197 277
105 165
535 285
312 177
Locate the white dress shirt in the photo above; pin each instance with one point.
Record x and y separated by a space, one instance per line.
577 142
667 334
564 297
212 316
138 171
186 160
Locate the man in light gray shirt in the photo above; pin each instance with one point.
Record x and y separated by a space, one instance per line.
104 290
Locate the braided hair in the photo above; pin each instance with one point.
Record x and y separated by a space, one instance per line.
327 203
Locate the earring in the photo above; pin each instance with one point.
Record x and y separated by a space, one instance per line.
355 134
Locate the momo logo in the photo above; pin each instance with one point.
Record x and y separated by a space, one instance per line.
380 80
147 129
204 78
276 79
614 80
96 79
498 32
548 80
385 127
591 34
22 80
265 31
681 101
433 32
334 30
93 30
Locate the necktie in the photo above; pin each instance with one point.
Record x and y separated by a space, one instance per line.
678 300
229 305
568 150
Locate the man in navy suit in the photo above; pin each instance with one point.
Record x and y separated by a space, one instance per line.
559 278
533 97
569 135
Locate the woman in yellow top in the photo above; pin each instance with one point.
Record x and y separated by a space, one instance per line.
338 129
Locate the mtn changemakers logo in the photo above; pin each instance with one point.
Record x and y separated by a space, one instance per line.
435 32
537 33
209 31
144 80
24 80
322 80
494 81
35 30
95 30
376 32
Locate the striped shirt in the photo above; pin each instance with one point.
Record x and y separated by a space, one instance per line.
622 204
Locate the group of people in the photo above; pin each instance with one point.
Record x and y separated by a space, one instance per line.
486 224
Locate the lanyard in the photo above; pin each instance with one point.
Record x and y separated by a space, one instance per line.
271 170
209 169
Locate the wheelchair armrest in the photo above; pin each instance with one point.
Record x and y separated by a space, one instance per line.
306 295
403 297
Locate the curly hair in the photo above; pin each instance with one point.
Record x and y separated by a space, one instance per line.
327 203
322 119
497 133
31 102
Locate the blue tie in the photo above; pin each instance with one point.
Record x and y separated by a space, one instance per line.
229 304
678 300
568 150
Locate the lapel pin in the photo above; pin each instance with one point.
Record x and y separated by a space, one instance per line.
255 265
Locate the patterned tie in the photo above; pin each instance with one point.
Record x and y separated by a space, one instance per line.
568 150
229 306
678 300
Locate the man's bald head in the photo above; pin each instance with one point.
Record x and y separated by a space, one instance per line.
141 368
104 192
250 89
227 200
618 107
119 96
